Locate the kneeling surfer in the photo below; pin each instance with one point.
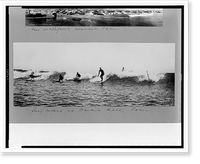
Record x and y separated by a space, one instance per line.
60 78
78 75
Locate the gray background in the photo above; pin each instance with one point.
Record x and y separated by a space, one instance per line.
169 33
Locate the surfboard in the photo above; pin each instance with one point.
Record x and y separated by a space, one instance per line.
34 76
30 80
77 80
99 83
57 81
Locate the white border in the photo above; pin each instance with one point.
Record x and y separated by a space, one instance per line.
2 72
91 2
185 3
186 77
140 134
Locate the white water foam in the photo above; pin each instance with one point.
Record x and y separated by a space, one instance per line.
93 78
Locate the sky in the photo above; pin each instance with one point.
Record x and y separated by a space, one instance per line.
88 57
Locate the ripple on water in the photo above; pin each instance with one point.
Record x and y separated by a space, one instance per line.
43 93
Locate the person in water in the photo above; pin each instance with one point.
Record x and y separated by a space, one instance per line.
60 78
31 75
101 72
78 75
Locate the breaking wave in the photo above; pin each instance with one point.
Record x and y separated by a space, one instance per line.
127 77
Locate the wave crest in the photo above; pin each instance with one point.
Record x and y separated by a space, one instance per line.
127 77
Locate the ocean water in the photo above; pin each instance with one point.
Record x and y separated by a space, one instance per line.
85 20
86 93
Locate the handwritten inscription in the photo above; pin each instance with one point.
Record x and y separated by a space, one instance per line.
59 29
40 111
35 29
89 110
115 110
135 109
81 110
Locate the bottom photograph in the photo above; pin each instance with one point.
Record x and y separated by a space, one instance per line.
94 74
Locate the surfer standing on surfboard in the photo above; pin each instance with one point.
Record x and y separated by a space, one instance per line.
101 72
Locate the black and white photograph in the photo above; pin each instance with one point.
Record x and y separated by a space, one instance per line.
94 17
94 74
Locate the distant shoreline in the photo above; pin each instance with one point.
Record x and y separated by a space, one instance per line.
88 13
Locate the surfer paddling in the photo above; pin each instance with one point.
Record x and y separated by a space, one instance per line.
101 73
32 76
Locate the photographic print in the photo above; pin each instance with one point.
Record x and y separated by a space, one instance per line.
94 17
95 77
94 74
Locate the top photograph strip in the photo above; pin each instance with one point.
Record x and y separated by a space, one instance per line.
94 17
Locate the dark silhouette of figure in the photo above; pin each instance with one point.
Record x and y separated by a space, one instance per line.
101 73
122 69
32 75
78 75
60 78
54 15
